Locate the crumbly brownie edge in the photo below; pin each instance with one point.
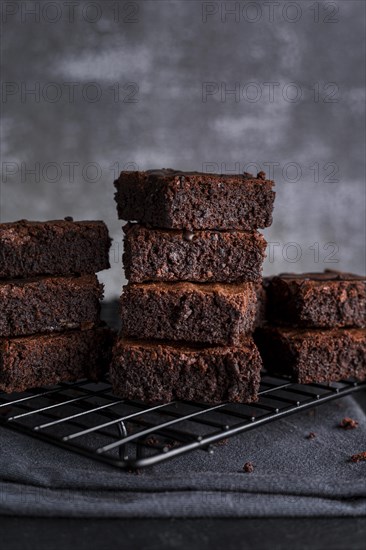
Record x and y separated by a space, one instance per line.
49 304
313 355
59 247
159 373
171 199
201 256
323 303
44 360
188 312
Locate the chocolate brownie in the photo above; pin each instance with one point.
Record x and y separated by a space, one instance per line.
201 256
151 372
43 360
60 247
261 313
313 355
206 313
189 200
48 304
330 299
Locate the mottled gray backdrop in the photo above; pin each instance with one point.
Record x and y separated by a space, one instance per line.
90 88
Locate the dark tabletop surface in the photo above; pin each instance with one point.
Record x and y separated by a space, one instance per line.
256 534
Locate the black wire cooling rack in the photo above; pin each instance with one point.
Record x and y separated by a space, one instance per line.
88 419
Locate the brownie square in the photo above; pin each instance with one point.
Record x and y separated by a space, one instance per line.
313 355
153 372
43 360
205 313
49 304
324 300
201 256
189 200
59 247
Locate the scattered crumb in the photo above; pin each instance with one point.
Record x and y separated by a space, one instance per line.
248 467
348 424
261 175
152 441
171 444
359 457
311 435
134 471
221 442
311 412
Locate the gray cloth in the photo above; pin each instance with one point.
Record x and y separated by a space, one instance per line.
293 476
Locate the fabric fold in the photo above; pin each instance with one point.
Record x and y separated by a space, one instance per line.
293 475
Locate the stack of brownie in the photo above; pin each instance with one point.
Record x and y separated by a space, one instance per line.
193 260
315 329
50 329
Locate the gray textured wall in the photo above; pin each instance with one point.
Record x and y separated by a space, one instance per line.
277 86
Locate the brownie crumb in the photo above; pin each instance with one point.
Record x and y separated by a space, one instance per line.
358 457
261 175
222 442
348 424
69 219
248 467
311 435
172 444
134 471
152 441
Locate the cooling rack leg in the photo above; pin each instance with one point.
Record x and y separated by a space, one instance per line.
139 452
123 433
